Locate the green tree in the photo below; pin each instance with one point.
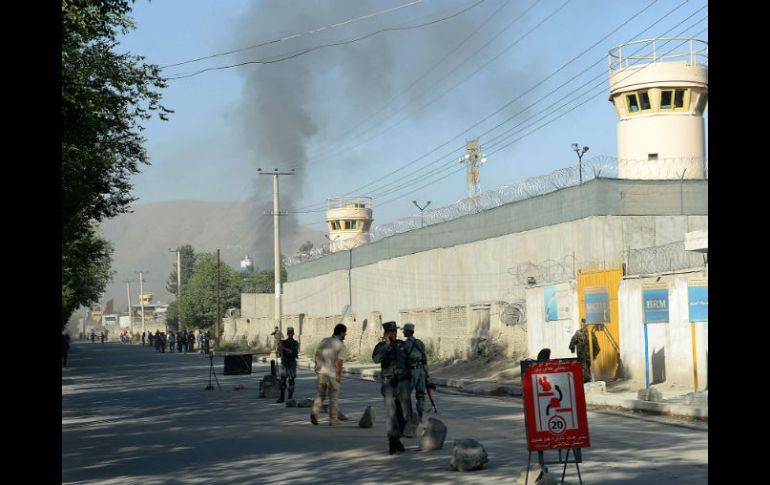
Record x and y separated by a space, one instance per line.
198 303
172 316
85 271
105 96
261 281
187 260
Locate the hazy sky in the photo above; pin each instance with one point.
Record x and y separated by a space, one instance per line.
350 115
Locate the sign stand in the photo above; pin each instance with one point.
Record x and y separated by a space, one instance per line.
577 458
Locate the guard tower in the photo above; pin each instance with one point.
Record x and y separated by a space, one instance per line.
349 220
659 88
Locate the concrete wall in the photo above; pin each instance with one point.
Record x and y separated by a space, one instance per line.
669 344
257 304
555 334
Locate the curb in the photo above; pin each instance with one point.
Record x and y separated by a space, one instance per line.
494 389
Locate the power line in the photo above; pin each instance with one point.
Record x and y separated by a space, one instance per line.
295 36
286 57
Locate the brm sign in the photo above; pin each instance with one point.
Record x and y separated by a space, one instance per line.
555 405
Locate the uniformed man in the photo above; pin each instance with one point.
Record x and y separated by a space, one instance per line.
289 350
579 343
418 366
277 337
391 354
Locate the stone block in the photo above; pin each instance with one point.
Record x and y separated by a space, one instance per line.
649 394
305 403
468 454
596 387
367 420
537 476
433 436
291 403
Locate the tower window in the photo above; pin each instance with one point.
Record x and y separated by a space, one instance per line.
665 99
644 100
679 98
633 104
701 106
652 156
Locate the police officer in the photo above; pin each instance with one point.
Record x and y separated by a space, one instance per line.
579 343
391 354
288 350
418 366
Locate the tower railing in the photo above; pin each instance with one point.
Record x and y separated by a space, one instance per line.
650 51
343 202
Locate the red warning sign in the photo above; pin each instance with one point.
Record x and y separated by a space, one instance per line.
555 405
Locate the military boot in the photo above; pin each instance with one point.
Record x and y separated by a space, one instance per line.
280 399
291 393
392 447
399 445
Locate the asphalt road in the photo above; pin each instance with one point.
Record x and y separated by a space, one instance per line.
132 415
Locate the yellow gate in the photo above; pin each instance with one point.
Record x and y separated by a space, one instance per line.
607 363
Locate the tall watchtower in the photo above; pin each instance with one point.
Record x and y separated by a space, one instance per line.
349 220
659 88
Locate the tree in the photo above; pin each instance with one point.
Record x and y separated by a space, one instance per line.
105 95
198 303
172 316
262 281
187 260
85 272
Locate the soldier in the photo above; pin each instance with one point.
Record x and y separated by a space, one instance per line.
418 366
579 342
277 337
328 369
391 354
289 350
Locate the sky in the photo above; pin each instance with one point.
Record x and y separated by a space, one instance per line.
388 112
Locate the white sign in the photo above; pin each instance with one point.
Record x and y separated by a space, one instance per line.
555 407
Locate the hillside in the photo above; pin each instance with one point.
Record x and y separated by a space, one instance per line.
142 240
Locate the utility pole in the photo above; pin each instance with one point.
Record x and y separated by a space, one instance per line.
130 315
421 209
141 294
276 241
178 287
219 312
474 160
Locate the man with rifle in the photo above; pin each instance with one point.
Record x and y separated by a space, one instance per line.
418 367
288 350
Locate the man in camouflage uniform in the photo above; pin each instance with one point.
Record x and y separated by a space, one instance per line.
418 366
288 350
579 342
391 354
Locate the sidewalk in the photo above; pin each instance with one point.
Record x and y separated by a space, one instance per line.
675 402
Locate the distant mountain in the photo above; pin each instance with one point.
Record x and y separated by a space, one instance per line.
142 240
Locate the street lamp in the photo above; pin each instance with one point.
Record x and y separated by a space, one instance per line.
580 152
421 209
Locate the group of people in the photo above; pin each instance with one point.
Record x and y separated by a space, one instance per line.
404 372
181 341
404 365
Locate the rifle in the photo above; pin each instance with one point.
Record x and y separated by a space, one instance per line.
430 386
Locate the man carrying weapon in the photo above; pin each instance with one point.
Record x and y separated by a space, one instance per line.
288 350
418 366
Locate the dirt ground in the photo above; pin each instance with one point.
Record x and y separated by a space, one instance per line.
499 370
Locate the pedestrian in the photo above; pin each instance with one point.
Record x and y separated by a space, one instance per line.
289 351
171 341
65 346
179 341
101 337
191 342
144 337
277 337
184 341
328 369
579 344
200 342
391 354
93 336
417 360
206 342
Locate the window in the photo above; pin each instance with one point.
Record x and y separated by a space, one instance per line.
701 106
675 99
633 104
665 99
366 225
644 100
652 156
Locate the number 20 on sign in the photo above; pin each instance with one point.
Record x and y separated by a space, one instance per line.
555 405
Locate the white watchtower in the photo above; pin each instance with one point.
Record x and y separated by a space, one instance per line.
659 88
349 220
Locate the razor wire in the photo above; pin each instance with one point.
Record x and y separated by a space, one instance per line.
663 258
601 166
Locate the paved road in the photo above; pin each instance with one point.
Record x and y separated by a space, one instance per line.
131 415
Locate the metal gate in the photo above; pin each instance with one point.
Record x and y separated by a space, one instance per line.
607 363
